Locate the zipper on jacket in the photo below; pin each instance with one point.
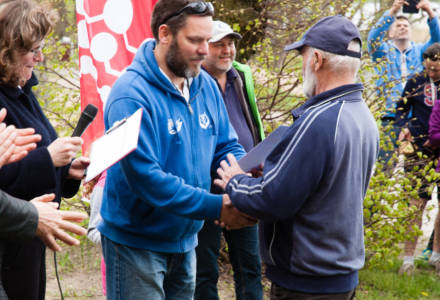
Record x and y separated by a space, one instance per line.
271 244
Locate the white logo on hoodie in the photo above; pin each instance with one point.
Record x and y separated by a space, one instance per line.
174 128
204 121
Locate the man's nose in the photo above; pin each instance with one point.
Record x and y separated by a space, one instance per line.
203 48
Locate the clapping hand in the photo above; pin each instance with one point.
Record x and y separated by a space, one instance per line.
15 143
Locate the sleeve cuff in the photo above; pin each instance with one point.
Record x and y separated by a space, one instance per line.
213 206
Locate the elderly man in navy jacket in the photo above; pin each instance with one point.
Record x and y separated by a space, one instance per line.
310 196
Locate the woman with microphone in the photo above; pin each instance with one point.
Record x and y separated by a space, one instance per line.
51 167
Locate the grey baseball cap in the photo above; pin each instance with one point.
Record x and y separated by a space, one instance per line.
221 29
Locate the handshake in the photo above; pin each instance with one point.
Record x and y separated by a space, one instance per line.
231 217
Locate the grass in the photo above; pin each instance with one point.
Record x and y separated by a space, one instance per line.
388 285
79 269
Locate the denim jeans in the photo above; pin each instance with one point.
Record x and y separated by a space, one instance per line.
244 257
142 274
280 293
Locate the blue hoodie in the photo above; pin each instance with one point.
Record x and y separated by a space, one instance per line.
157 196
391 82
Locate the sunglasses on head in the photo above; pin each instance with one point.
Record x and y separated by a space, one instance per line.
193 8
432 57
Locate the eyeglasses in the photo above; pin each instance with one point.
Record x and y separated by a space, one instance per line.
37 51
193 8
432 57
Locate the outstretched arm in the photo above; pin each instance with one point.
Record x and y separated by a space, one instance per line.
426 6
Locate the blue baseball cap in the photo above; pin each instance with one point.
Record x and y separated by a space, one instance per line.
331 34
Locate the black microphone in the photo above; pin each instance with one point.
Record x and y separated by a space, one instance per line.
87 116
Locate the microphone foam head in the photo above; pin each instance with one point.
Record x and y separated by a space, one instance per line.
90 111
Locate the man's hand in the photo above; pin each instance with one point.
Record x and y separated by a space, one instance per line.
76 170
397 5
257 171
227 171
426 6
53 223
232 218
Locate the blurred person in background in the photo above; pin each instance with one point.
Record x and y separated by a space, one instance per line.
94 191
398 58
419 96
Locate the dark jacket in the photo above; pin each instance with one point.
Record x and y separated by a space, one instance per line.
310 198
417 99
245 91
35 174
18 218
28 178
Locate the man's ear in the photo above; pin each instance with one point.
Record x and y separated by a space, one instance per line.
165 35
318 61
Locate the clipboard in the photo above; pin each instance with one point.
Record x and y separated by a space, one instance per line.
260 152
117 142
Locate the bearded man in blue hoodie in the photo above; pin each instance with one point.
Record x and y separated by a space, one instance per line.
156 198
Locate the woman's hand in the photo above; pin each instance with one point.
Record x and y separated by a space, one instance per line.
76 170
15 143
64 149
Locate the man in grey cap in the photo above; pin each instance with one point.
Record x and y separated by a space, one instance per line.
236 85
309 200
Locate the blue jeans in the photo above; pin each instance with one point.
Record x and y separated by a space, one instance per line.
244 257
142 274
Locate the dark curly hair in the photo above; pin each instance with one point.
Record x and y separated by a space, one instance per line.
23 23
432 53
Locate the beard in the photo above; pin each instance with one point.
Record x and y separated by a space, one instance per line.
177 64
309 82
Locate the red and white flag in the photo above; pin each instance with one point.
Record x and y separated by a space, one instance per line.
109 33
